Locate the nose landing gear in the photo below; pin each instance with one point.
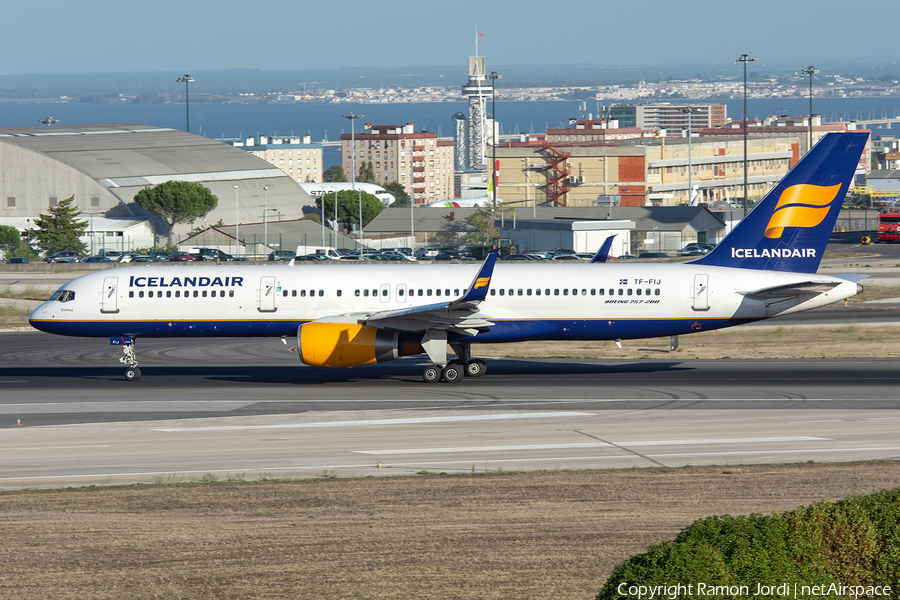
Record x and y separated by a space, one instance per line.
132 372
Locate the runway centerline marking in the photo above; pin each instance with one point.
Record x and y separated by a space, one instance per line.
407 421
589 445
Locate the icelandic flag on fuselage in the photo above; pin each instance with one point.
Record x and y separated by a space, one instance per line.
789 229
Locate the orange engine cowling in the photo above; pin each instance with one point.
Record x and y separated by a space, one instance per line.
350 345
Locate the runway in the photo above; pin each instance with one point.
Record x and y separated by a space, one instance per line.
229 408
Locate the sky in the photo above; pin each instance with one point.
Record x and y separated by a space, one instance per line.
104 36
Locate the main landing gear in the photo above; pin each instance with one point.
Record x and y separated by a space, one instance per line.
132 372
455 370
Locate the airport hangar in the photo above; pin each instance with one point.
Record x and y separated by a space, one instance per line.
104 165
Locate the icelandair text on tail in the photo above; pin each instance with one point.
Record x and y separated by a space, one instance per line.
773 253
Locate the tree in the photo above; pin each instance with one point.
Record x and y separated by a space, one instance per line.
396 189
484 220
334 173
60 229
9 239
177 202
348 206
366 172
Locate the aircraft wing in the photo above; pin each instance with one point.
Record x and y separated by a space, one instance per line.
790 290
459 315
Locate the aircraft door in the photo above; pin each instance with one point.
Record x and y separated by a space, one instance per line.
701 292
109 303
384 293
266 294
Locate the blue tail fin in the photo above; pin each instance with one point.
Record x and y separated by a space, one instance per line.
603 253
789 229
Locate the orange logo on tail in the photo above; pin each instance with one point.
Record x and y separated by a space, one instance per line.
481 282
802 205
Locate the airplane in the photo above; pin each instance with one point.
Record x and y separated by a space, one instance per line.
320 189
476 202
351 315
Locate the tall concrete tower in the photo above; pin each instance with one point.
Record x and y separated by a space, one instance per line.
480 124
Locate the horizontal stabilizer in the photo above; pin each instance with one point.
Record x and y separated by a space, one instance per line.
854 277
790 290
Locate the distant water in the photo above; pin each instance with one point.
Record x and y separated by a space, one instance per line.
323 121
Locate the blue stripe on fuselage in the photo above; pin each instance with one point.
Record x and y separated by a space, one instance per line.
502 331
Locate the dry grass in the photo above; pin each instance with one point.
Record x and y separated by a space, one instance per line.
13 316
27 293
517 535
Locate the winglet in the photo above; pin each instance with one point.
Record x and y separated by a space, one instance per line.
603 252
479 287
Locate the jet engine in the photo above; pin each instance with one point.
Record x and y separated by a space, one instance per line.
351 345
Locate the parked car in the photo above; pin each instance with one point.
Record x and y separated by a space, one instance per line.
430 251
281 255
141 258
520 257
212 254
447 255
18 260
95 259
159 256
566 257
65 256
695 248
113 255
181 256
476 252
653 255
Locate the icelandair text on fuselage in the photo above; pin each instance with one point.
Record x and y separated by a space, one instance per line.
186 281
773 253
787 590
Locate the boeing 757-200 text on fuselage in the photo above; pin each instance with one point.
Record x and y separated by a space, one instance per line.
348 315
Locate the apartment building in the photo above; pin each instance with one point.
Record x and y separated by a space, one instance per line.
674 118
296 156
420 161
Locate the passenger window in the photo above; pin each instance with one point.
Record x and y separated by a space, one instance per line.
502 292
196 294
293 293
529 291
429 292
520 292
493 292
303 293
446 292
584 292
648 291
140 294
638 291
375 292
131 294
221 293
178 293
421 292
601 291
284 293
511 292
612 292
169 293
656 292
547 292
321 293
556 292
566 292
384 292
204 293
400 291
456 292
537 292
629 291
621 291
437 292
366 293
230 294
356 293
339 292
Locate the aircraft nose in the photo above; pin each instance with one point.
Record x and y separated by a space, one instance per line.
40 314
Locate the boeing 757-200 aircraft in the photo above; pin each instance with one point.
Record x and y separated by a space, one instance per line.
349 315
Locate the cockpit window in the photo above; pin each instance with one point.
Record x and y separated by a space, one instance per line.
55 296
64 296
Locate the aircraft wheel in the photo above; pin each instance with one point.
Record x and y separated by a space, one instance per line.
453 372
475 368
132 374
431 374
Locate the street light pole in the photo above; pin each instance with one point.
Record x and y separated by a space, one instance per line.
353 118
493 76
690 110
187 121
810 70
266 219
237 225
745 58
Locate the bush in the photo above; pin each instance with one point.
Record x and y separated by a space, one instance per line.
852 542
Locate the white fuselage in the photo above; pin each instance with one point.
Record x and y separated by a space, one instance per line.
525 301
